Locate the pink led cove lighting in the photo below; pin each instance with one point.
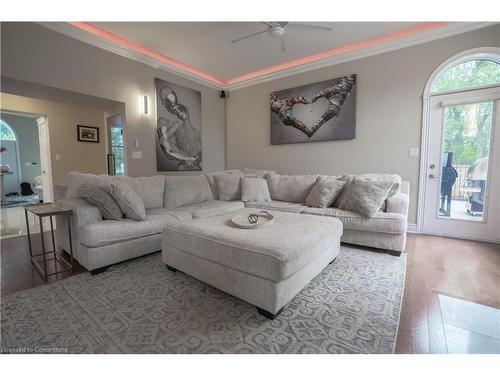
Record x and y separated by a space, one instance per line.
264 71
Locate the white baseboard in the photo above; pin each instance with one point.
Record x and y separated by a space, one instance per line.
412 228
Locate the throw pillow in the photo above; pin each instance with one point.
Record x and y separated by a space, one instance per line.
229 187
324 192
213 184
99 196
75 179
254 190
184 190
290 188
363 196
129 201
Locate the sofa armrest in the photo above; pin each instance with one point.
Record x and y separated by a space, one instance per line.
398 204
83 213
60 192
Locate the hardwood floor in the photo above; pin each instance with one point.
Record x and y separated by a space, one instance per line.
466 270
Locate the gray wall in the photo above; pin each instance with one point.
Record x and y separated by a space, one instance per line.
26 130
388 122
32 53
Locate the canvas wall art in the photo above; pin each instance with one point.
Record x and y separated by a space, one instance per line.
322 111
178 127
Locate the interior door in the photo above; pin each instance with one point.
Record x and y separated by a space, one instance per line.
463 166
9 157
43 136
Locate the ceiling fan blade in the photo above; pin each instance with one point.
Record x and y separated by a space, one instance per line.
270 24
249 36
310 26
282 42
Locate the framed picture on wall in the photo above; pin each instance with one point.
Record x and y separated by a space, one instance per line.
321 111
88 134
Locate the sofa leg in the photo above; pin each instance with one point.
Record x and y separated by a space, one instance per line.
98 270
171 269
267 314
393 253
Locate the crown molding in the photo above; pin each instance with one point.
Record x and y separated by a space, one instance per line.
92 39
376 49
431 34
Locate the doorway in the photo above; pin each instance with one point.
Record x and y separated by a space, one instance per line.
116 154
460 173
26 169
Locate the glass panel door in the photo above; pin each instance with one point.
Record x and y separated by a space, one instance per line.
466 143
462 187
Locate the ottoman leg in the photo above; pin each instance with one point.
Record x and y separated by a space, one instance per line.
267 314
172 269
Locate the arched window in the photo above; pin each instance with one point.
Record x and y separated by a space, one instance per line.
6 132
471 72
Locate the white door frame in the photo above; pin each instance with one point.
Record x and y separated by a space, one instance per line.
490 53
45 160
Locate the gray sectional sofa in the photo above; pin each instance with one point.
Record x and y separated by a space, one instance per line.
98 243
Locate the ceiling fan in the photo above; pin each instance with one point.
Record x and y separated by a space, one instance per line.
276 30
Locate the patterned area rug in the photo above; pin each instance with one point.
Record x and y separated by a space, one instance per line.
138 306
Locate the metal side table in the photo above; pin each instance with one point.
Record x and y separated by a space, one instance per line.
49 210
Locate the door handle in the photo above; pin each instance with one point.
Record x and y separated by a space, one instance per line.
433 176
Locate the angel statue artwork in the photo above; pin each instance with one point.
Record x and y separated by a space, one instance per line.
178 138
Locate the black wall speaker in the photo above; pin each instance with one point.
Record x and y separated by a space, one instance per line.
222 94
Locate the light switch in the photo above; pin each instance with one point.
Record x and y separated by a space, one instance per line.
136 143
136 154
58 156
413 152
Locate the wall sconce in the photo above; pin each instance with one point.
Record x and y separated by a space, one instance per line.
144 104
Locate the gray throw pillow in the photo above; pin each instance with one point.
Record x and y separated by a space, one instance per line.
254 189
363 196
324 192
228 186
99 196
129 201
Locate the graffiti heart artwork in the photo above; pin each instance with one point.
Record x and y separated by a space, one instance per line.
322 111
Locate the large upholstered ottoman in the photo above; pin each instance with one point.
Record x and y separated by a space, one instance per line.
266 267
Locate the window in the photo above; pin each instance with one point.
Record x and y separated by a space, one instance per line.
6 133
468 74
117 149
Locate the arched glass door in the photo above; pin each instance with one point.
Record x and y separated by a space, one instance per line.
463 177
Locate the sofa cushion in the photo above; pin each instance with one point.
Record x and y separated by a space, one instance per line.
254 189
183 190
100 197
278 206
228 186
324 192
396 179
275 252
211 179
108 232
290 188
75 179
150 189
129 201
381 222
259 173
363 196
207 209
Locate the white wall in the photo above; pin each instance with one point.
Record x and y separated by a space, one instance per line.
32 53
388 118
